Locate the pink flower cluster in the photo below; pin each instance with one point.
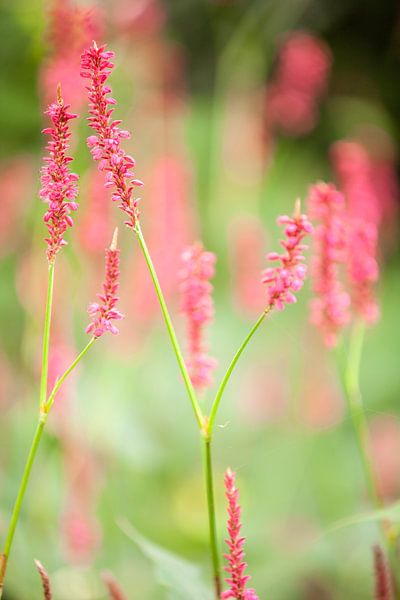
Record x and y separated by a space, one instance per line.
300 81
197 304
237 580
364 215
105 146
59 187
103 314
287 278
329 308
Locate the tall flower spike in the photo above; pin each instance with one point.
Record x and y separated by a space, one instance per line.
105 146
329 308
237 580
287 278
103 313
198 267
59 188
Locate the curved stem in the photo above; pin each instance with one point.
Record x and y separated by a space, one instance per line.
174 340
46 336
228 373
208 472
50 401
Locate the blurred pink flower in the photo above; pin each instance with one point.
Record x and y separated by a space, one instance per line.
105 147
237 579
385 449
94 227
383 579
330 306
59 188
352 165
104 313
285 280
143 18
300 80
70 28
16 184
169 208
247 242
81 532
198 267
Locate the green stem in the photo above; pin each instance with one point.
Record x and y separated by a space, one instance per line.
60 381
360 424
356 408
208 472
46 336
19 500
228 373
175 344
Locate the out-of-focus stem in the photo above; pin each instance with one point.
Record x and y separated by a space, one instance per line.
46 336
360 424
174 340
231 367
208 472
60 381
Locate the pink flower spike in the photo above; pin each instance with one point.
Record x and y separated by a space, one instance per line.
330 306
105 147
236 565
59 188
288 277
197 304
104 313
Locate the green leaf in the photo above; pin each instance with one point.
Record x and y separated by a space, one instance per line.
181 578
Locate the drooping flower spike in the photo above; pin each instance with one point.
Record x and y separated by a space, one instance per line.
330 306
105 147
286 279
237 580
59 188
103 313
198 267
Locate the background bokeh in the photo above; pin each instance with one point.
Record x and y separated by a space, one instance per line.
223 147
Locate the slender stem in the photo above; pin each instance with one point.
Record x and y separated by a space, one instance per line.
46 336
60 381
228 373
356 408
360 424
174 340
19 500
208 472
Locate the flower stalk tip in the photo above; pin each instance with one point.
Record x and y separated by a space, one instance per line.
58 185
237 580
103 313
284 280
